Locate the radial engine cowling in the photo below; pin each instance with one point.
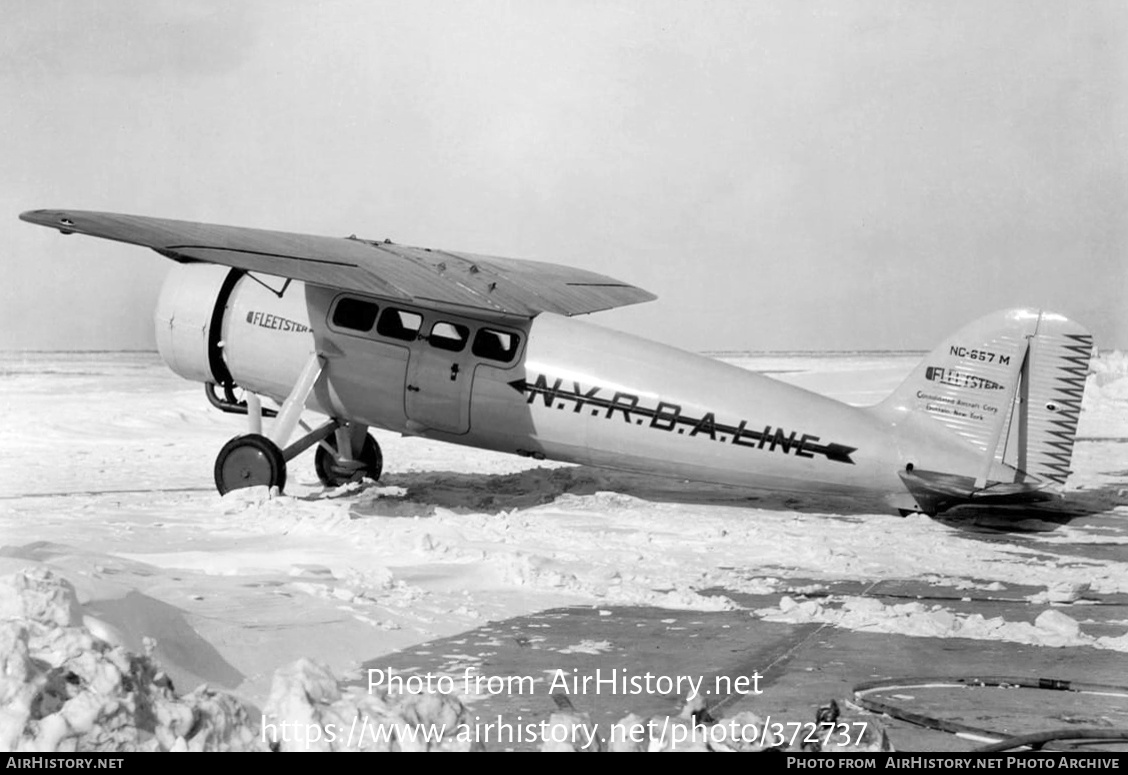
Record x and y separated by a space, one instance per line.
184 319
215 324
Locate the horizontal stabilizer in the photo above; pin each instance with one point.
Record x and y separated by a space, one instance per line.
936 492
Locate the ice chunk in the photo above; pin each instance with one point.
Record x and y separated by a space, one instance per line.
1056 622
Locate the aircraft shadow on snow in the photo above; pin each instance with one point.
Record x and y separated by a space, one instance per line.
496 493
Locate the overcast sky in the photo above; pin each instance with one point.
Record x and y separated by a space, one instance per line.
784 175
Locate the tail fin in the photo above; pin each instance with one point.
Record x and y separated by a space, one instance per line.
1009 386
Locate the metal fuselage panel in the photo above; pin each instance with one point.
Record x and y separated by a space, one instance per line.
584 394
572 391
600 397
267 335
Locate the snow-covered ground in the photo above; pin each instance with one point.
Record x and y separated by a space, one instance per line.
106 478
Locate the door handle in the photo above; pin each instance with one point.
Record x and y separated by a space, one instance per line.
453 372
413 388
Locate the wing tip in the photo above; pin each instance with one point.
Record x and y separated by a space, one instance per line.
55 219
35 216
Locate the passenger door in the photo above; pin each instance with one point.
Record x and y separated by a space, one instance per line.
439 376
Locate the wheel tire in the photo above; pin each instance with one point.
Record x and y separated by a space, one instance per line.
332 475
249 461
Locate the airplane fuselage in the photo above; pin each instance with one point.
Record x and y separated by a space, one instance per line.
555 388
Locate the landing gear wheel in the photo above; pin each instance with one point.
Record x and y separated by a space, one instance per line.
249 461
332 473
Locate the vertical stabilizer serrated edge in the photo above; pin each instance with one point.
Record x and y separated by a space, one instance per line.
1060 354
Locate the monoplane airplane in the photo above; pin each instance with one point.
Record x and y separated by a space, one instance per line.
484 351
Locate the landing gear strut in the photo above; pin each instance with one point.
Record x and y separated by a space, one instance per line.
334 470
345 451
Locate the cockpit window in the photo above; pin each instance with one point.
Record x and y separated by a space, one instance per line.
495 345
449 336
399 324
355 314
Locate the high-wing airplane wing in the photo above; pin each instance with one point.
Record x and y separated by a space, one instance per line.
499 285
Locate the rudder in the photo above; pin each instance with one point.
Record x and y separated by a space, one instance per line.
1044 425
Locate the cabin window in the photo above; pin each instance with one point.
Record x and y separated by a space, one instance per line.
495 345
449 336
355 314
399 324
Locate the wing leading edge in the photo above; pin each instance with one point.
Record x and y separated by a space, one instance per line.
503 286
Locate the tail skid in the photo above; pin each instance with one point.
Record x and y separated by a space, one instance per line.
1006 388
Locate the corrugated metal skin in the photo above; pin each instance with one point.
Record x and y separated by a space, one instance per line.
951 413
500 285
